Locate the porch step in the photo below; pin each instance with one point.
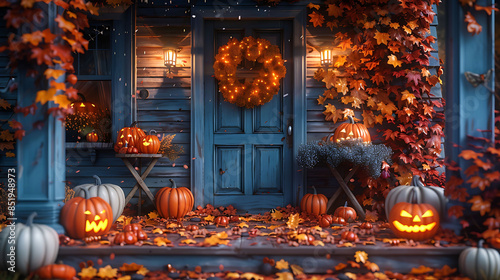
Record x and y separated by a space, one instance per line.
243 255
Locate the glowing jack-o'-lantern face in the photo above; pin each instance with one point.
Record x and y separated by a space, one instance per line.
414 221
83 217
97 224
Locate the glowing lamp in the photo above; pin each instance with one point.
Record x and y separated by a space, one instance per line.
169 57
326 57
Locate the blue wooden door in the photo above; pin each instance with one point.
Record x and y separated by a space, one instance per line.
248 154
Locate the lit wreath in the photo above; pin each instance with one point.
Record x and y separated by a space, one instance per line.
249 93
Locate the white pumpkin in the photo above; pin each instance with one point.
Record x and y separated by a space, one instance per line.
112 194
480 263
422 194
35 246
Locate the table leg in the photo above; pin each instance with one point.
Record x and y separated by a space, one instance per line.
346 189
140 179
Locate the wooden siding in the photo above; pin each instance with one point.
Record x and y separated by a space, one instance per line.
168 107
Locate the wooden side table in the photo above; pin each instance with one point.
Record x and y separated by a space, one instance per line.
128 160
347 191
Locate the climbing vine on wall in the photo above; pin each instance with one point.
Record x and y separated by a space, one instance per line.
382 69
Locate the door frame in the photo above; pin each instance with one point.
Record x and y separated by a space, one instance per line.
199 15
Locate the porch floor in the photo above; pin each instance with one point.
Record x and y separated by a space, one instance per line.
254 237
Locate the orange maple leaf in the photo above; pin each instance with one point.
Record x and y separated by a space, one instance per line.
469 3
361 256
493 151
371 216
107 272
341 59
421 270
456 211
386 109
493 176
469 154
478 204
443 272
53 73
372 267
488 9
92 9
393 60
4 104
44 96
88 272
407 96
6 135
341 85
62 101
369 24
334 10
64 24
479 182
382 38
34 38
130 267
484 165
345 44
472 25
340 266
316 19
281 264
313 6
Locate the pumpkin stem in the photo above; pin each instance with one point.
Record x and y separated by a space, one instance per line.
82 97
345 204
480 243
415 181
29 222
86 192
314 190
152 131
350 119
97 180
133 124
174 185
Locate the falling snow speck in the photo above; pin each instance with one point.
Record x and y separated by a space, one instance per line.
194 16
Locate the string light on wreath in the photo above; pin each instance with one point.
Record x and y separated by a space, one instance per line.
245 92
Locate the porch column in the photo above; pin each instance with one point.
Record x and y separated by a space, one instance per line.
40 155
468 108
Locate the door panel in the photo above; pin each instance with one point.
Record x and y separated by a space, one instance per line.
247 161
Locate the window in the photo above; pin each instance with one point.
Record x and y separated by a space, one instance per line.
93 69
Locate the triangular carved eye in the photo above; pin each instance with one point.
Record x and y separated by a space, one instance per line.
428 213
87 212
103 211
404 213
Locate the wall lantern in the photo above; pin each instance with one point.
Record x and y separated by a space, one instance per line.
326 57
169 57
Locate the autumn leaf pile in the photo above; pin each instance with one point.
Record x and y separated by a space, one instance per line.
382 69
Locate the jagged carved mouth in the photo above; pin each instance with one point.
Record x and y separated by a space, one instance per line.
416 228
100 226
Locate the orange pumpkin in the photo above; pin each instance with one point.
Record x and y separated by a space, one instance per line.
149 144
127 237
130 135
414 221
366 225
83 106
174 202
92 137
348 213
192 227
222 221
349 236
325 220
314 203
56 271
350 131
338 220
84 217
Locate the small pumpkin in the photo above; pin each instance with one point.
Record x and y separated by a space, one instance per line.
173 202
348 235
112 194
141 235
346 212
480 263
414 221
86 216
132 227
150 144
126 237
92 137
339 220
222 221
421 193
314 203
350 131
130 135
366 225
192 227
36 245
132 150
56 271
325 220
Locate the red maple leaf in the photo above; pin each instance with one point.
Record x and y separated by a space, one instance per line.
472 25
413 76
316 19
479 182
488 9
456 211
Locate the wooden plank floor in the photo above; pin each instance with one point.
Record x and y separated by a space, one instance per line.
245 252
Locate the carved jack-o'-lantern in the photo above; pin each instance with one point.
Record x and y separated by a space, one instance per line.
414 221
82 217
350 131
